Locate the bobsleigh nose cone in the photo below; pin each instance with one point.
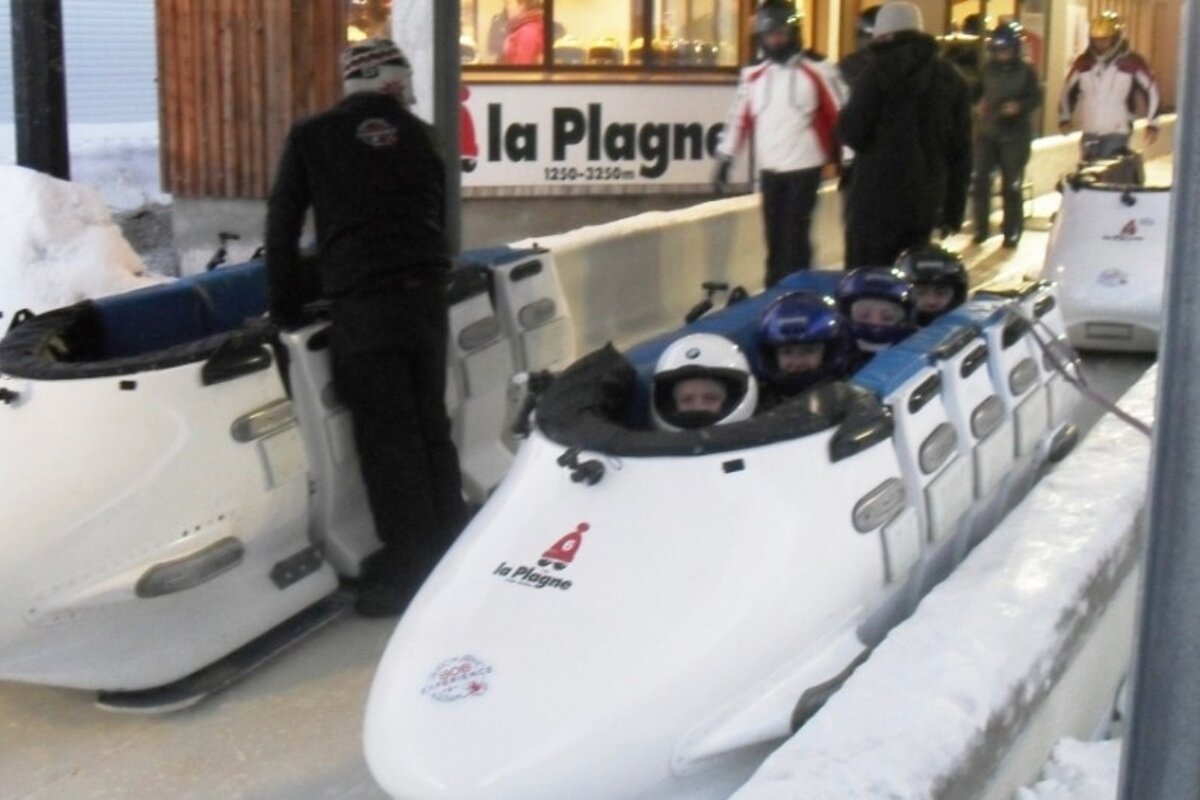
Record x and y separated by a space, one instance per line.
430 736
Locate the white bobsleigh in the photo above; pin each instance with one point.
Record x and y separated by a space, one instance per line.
1107 254
180 478
638 614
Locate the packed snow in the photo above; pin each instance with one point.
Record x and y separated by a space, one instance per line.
1078 771
59 244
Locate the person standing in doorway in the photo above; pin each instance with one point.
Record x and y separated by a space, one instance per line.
525 42
908 121
1106 88
1004 134
790 103
373 174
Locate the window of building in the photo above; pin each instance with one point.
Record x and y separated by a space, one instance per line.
367 18
604 33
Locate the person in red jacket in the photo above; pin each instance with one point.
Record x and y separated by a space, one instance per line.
1107 87
525 43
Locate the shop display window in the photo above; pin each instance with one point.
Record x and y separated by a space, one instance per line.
603 34
367 18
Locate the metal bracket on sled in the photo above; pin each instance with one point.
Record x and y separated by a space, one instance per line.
589 472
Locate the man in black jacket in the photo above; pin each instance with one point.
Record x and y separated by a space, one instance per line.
373 175
908 121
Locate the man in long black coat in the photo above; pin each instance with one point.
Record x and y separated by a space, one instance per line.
908 121
373 174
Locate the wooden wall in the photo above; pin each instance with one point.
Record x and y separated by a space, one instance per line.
233 76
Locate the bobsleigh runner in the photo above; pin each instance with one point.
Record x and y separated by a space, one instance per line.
638 613
180 481
1107 253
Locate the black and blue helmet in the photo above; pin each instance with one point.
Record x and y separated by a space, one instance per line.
877 283
1007 36
803 318
933 265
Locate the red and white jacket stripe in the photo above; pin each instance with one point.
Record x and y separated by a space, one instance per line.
1107 94
790 109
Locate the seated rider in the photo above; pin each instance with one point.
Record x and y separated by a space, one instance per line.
877 303
802 341
939 280
702 379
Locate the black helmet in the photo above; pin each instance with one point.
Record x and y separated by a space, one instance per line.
933 265
772 16
975 25
866 24
1008 35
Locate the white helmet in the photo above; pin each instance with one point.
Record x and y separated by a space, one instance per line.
703 355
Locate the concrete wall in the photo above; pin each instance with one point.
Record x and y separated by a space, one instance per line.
667 232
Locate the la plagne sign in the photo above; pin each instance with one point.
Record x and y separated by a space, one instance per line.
589 135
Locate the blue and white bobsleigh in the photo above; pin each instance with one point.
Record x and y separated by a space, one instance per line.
640 615
180 478
1107 254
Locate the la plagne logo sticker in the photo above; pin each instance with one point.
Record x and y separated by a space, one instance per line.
557 557
457 678
1129 232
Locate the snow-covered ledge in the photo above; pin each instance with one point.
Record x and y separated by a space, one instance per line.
1023 644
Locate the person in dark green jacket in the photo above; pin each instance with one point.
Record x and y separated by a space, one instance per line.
1010 94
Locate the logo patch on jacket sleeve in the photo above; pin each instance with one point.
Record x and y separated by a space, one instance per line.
377 132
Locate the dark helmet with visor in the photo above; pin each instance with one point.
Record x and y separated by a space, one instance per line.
1007 36
933 265
803 318
774 16
877 283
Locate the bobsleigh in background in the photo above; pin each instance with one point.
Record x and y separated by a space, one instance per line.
180 478
1108 253
642 614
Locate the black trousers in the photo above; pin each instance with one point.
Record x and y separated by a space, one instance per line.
389 367
875 245
788 200
1010 156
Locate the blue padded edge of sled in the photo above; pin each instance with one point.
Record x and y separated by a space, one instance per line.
183 310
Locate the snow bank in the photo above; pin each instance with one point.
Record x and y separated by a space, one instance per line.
59 245
120 160
1079 771
986 645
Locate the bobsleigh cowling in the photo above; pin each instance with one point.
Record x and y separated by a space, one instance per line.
722 582
180 476
1107 254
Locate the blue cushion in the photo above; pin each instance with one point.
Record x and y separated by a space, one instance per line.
182 311
149 319
233 294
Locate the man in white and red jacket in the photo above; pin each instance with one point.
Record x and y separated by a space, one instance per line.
1108 87
789 105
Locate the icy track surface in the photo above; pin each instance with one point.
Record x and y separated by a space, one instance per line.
986 635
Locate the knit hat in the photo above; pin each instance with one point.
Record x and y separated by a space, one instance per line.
897 16
377 65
